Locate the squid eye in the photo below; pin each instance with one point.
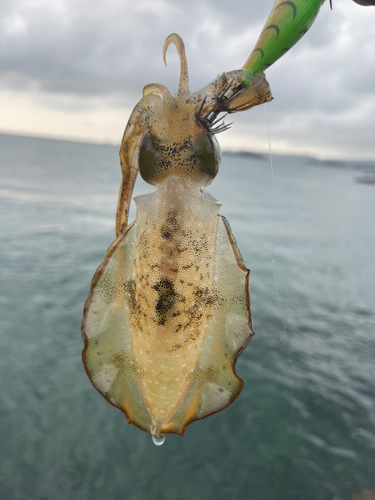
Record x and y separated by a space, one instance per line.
196 159
149 157
207 155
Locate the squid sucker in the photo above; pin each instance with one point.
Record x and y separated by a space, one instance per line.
169 308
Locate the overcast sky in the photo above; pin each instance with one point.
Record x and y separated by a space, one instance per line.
76 68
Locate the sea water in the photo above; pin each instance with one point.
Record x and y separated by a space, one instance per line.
304 424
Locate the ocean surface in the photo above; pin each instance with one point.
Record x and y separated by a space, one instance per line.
304 426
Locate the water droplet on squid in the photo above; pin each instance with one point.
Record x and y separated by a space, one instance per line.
158 441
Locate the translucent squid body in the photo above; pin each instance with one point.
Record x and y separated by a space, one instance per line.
169 308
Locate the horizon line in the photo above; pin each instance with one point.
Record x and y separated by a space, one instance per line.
225 151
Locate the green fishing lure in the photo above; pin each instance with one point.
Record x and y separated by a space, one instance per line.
285 26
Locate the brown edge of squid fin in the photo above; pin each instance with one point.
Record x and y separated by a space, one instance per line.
98 274
241 265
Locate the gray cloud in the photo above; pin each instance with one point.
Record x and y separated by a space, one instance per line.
95 48
112 49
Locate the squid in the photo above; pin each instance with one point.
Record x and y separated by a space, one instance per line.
169 309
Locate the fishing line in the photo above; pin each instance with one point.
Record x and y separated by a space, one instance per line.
274 263
274 269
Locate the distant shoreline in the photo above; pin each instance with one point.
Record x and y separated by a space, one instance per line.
337 163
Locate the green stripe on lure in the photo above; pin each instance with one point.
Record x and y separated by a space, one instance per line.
285 26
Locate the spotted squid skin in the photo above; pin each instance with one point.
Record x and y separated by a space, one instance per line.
285 26
169 313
